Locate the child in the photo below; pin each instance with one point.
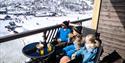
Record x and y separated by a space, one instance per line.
62 34
89 50
76 39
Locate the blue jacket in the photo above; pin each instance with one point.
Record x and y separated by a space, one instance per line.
63 34
69 50
88 54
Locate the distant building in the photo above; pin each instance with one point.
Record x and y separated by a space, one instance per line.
7 17
3 11
45 14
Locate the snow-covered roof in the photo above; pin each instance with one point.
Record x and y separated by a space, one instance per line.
2 16
3 9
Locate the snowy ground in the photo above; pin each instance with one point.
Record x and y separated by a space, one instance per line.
31 22
11 51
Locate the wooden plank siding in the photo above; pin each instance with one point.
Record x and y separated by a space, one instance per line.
112 26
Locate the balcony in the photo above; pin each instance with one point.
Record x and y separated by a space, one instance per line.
11 46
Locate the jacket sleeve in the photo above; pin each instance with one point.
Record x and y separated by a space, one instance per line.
79 52
90 57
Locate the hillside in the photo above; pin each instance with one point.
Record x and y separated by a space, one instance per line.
60 7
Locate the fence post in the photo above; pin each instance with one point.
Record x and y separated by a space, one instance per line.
45 43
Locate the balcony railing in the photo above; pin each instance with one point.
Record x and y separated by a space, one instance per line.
49 32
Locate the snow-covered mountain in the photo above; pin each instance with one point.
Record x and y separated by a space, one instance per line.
62 7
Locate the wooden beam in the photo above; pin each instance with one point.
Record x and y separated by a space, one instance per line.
96 11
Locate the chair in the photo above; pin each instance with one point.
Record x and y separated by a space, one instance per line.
99 52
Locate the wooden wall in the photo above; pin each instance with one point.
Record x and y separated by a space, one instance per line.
112 26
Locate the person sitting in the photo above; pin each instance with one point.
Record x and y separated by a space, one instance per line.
62 34
89 50
77 40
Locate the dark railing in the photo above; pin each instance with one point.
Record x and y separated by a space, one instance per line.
49 32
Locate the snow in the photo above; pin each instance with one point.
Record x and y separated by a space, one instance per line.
11 51
52 21
30 23
2 16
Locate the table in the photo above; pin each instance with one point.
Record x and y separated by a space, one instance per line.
32 52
